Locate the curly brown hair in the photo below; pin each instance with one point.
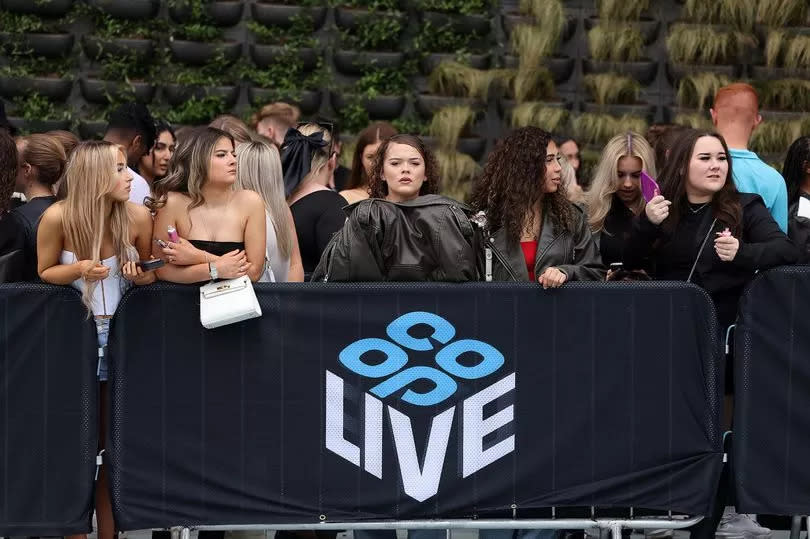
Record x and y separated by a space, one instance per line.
725 204
512 184
377 187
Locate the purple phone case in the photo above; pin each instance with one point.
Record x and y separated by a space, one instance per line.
649 187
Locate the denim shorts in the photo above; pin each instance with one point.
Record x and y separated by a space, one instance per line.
103 332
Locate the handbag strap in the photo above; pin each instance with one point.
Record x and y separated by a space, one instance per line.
702 245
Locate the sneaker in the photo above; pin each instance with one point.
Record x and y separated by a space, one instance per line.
736 524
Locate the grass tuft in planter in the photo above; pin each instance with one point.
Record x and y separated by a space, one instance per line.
615 43
787 50
552 119
787 94
697 91
458 80
739 13
695 121
699 44
457 171
609 88
529 84
549 14
779 13
594 128
533 43
448 123
622 10
774 137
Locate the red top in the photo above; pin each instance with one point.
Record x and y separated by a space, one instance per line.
529 254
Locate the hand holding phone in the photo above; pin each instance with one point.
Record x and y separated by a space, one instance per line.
149 265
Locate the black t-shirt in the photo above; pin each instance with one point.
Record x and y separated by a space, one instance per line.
342 175
28 216
12 243
677 256
617 227
317 217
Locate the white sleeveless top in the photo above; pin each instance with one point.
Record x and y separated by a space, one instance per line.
280 265
107 293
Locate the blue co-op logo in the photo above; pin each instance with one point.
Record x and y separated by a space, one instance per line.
419 480
397 358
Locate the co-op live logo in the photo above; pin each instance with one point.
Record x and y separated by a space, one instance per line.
423 385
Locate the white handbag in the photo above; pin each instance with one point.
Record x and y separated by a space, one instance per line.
227 302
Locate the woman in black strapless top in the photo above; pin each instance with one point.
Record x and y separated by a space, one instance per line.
222 230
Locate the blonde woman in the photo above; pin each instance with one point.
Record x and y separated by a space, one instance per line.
258 168
614 198
93 240
221 229
308 162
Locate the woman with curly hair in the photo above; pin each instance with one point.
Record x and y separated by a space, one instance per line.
615 195
535 233
796 172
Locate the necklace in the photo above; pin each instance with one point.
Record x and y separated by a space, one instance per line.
693 210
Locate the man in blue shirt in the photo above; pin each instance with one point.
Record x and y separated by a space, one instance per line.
736 115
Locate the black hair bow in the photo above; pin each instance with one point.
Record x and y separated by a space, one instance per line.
296 156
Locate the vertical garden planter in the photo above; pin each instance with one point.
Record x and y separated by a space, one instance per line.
51 8
128 9
52 88
45 45
271 14
222 13
197 53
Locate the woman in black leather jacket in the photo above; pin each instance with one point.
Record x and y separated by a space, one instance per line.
797 176
533 232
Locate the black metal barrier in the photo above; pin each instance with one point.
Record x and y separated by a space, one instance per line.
48 411
350 403
772 384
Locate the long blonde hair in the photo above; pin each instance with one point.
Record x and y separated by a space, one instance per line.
258 168
605 180
89 179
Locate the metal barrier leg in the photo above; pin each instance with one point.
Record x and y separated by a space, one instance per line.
616 528
185 533
795 527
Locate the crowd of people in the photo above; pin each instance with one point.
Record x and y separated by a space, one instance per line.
271 202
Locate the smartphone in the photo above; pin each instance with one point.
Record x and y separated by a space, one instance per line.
149 265
172 234
615 266
649 187
162 243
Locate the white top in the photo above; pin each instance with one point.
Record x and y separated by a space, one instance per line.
280 265
139 189
107 293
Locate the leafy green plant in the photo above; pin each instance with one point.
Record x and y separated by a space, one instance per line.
699 44
458 80
38 107
779 13
787 94
107 26
197 32
443 39
125 68
353 117
549 13
528 84
28 66
197 111
286 76
374 5
695 121
609 88
611 42
18 23
464 7
378 33
597 128
622 10
382 82
412 125
533 43
448 123
457 171
298 35
739 13
697 91
196 9
551 119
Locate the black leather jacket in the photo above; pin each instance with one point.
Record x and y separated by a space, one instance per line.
574 253
427 239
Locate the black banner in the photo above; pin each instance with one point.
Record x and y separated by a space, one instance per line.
772 402
48 411
360 402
